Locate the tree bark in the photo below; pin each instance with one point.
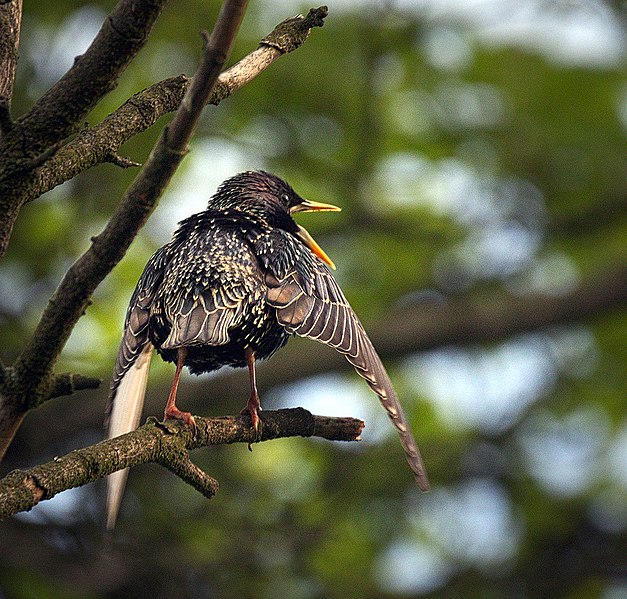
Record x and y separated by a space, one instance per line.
10 23
166 443
31 381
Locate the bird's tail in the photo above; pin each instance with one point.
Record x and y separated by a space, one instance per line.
124 413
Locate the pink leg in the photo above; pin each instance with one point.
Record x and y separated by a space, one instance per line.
171 411
253 407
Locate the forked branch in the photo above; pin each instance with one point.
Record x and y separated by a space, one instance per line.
33 367
32 379
99 143
165 443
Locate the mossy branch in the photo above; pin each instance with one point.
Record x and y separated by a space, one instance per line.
166 443
32 378
32 371
98 144
62 108
10 23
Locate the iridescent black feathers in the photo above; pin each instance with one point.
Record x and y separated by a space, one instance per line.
236 281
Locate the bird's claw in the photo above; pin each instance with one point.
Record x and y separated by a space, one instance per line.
256 424
174 413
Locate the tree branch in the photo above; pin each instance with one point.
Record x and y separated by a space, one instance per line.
213 58
95 145
95 73
70 299
166 443
10 22
494 316
590 219
68 383
35 136
32 371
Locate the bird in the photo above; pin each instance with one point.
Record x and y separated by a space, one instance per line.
235 282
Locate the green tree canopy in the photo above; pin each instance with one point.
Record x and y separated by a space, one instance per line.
478 153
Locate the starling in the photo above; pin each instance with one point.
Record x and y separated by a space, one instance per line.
233 284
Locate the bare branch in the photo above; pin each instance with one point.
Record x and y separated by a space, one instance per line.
282 37
338 429
10 22
181 465
165 443
94 144
32 371
59 112
120 161
213 58
94 74
68 383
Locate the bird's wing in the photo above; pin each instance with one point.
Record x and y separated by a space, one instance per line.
130 374
135 335
310 303
204 316
207 287
124 417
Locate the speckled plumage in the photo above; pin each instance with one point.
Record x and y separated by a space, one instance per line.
238 276
211 296
205 289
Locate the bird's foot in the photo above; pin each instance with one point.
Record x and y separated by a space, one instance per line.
253 407
173 413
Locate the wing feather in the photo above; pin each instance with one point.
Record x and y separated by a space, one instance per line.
204 297
323 314
130 373
135 335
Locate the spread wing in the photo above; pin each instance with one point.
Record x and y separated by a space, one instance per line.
310 303
135 336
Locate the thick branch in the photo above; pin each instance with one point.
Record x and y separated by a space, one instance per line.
94 74
37 135
10 22
32 371
95 144
33 366
166 444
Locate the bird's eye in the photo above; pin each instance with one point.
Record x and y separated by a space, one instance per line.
286 199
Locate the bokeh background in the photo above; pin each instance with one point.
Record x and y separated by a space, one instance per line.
477 149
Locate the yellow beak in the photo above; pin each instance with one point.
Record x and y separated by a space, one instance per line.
302 233
310 206
310 242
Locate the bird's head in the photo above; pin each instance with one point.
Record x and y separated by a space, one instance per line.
268 198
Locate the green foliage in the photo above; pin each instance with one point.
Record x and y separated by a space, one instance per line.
463 164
